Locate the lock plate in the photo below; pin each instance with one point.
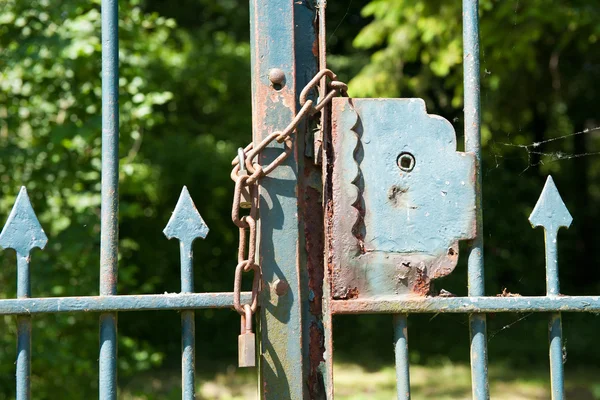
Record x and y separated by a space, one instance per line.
401 198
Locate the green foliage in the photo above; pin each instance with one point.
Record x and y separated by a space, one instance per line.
185 107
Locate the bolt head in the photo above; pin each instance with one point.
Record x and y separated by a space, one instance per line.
277 76
281 287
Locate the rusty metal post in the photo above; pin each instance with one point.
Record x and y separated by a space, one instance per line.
315 305
274 105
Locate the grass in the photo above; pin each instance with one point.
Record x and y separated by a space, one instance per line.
444 381
452 382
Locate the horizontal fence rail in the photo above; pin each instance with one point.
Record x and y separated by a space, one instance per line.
458 305
455 305
144 302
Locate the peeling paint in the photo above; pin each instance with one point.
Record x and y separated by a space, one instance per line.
391 230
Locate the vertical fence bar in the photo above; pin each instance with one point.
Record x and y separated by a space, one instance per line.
472 112
479 360
110 196
551 213
23 332
187 225
557 381
188 328
552 282
402 362
22 232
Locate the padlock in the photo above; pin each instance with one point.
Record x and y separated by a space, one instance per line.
246 200
246 341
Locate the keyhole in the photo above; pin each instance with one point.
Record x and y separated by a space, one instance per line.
406 162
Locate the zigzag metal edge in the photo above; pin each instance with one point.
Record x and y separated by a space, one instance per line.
357 181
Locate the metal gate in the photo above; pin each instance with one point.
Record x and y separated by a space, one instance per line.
300 283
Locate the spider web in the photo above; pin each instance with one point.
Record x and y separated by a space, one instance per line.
537 149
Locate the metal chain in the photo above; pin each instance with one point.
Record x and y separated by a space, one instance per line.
246 174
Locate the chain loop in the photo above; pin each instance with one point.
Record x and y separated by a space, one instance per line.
236 160
305 111
257 149
251 222
326 100
246 173
314 82
237 286
237 199
339 86
246 320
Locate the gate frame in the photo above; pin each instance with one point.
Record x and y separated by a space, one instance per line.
296 306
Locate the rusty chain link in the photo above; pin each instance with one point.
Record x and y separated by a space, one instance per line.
246 173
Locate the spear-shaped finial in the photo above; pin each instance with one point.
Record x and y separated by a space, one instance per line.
23 232
187 225
551 213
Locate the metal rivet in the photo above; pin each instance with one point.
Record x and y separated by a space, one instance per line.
281 287
406 162
277 77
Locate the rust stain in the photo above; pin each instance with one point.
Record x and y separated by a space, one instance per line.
329 197
352 293
348 294
314 245
310 198
316 384
422 284
329 212
506 293
315 48
442 271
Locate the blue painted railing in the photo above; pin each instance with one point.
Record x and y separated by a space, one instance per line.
109 218
472 112
283 330
22 232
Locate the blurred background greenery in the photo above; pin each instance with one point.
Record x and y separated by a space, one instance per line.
185 108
